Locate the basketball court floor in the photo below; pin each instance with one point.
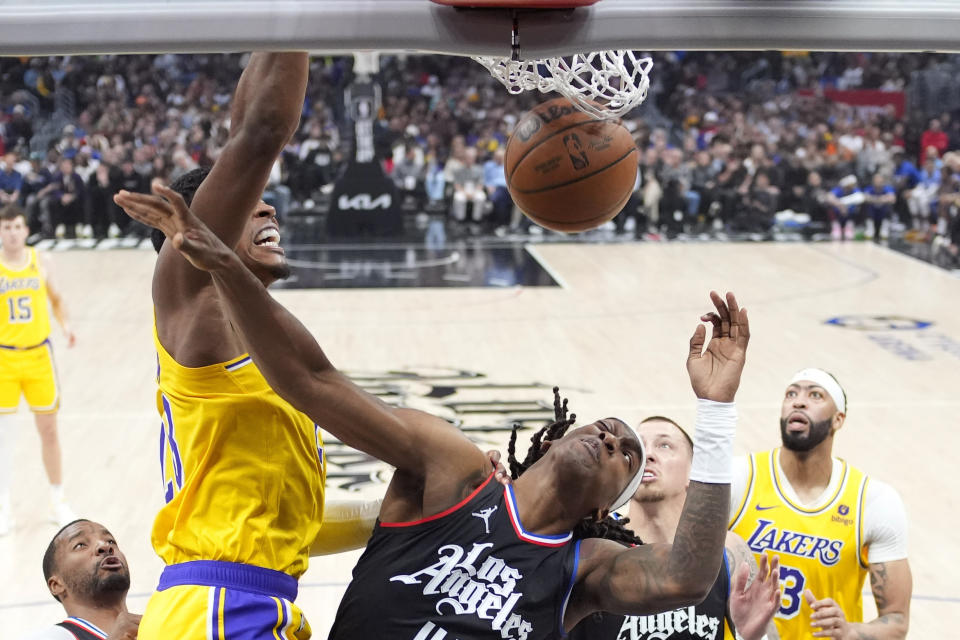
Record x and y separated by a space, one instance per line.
608 323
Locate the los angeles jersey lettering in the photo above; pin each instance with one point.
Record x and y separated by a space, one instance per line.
470 572
820 549
705 621
243 471
23 304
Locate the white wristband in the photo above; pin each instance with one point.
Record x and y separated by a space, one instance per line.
713 435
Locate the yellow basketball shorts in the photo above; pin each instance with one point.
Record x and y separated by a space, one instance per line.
30 372
211 600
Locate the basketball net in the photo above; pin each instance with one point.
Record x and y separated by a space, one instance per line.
604 84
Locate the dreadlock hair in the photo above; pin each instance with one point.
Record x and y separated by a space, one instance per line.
610 527
186 185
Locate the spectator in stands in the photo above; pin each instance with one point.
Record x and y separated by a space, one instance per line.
11 182
36 183
922 201
18 129
879 197
468 188
408 171
844 206
495 181
66 200
100 202
182 164
934 137
948 195
813 202
127 179
755 214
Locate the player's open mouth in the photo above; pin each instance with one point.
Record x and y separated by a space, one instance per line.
267 237
797 421
648 476
111 562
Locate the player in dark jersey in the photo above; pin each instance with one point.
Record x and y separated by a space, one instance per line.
87 573
733 608
454 555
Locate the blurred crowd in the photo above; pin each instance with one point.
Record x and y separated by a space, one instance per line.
731 143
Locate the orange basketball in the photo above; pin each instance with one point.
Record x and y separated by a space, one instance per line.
568 171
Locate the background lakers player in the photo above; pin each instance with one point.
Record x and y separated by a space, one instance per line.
27 368
243 471
829 523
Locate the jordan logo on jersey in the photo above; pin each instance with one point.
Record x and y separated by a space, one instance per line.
664 625
767 536
18 284
485 514
474 586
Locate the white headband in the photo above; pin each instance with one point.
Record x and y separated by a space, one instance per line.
825 380
634 483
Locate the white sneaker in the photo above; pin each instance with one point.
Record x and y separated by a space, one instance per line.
869 232
836 233
884 229
60 231
86 231
62 514
113 231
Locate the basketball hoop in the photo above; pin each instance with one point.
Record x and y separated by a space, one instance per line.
604 84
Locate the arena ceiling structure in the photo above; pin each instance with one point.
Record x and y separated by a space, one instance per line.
50 27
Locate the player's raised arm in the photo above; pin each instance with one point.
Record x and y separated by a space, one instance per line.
294 364
658 577
264 114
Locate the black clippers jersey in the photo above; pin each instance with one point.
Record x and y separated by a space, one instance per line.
702 622
467 573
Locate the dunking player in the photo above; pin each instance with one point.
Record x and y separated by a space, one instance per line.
243 471
454 553
27 281
87 573
654 513
829 523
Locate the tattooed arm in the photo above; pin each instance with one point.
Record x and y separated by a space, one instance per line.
658 577
892 585
655 577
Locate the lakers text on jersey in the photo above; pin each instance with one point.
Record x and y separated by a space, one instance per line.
820 548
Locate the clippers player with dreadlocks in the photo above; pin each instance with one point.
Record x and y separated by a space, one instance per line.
454 554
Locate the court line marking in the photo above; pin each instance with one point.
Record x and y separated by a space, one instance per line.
534 252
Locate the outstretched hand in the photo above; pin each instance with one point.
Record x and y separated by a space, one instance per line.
715 372
753 607
168 212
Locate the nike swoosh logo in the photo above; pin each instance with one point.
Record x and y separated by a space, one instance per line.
759 508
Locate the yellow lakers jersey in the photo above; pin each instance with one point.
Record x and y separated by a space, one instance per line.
820 548
243 471
23 296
